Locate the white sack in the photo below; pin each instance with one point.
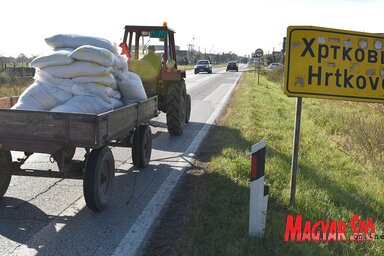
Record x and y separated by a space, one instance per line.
77 68
94 54
39 96
131 87
121 62
75 41
88 104
54 58
106 93
45 78
106 79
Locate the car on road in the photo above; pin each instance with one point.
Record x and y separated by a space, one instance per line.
232 65
203 66
275 65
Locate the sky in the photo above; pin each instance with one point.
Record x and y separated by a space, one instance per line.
239 26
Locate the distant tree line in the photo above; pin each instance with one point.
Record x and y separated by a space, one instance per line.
183 58
11 62
190 57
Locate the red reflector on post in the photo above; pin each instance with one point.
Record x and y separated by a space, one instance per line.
258 160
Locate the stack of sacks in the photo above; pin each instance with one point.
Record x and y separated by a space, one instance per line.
82 75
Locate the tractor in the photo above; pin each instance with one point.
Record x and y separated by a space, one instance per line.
151 53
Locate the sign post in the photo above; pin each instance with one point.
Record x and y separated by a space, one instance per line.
258 54
329 63
295 153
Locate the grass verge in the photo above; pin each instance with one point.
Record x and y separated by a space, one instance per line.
332 183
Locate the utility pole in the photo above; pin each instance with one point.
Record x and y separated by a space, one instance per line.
193 50
190 51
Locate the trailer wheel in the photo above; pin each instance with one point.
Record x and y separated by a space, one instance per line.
142 146
5 178
99 178
187 108
69 153
175 110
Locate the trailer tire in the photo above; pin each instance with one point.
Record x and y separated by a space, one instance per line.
69 153
187 108
142 146
99 178
5 178
175 110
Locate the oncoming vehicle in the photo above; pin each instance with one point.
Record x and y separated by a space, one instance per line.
203 66
275 65
232 65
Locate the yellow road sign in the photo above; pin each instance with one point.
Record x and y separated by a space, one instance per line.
334 64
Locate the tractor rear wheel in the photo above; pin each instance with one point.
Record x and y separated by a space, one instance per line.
175 110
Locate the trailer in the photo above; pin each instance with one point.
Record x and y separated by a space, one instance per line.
59 134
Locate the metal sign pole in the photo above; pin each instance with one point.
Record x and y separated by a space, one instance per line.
295 153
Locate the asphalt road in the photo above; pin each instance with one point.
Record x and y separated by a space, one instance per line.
48 216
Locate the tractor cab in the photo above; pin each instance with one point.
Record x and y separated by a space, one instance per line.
151 53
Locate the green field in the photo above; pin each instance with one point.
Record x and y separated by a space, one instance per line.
13 85
340 173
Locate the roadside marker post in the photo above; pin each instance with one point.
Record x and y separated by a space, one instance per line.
264 207
258 192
